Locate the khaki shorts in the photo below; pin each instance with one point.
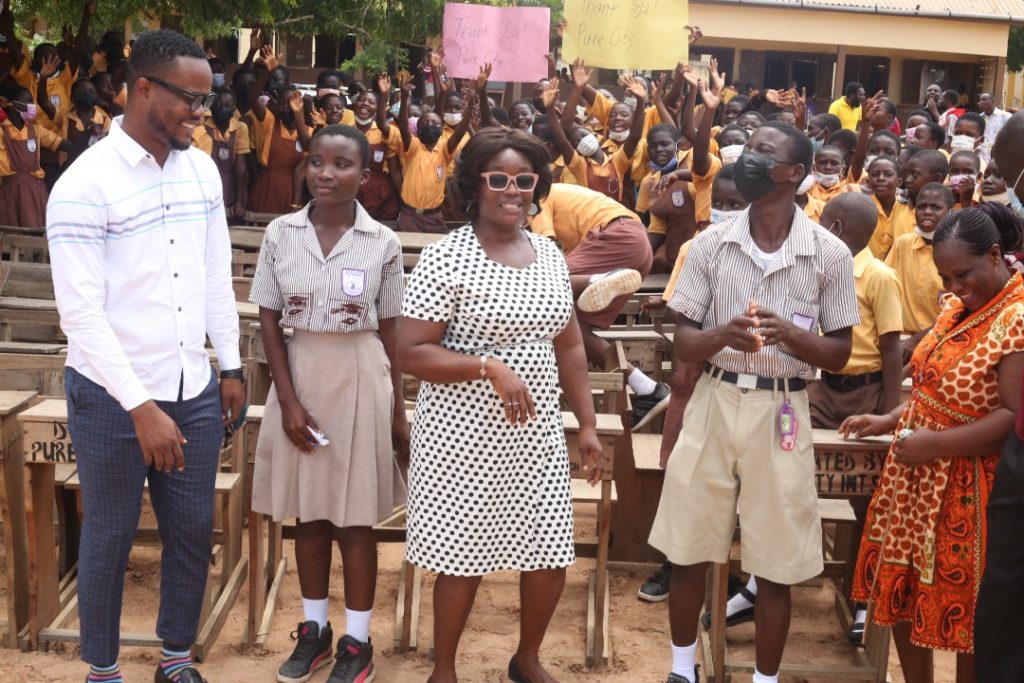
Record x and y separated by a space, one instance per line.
730 436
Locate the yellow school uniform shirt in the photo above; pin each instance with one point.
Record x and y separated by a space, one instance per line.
911 258
446 133
44 137
699 190
615 166
878 299
58 87
822 193
602 106
848 115
261 133
569 212
425 172
99 117
900 222
201 138
813 209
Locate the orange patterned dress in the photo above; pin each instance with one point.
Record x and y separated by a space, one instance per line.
922 553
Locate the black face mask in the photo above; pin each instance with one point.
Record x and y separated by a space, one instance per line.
86 100
221 116
752 175
429 134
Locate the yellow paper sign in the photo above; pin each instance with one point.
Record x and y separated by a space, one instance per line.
626 34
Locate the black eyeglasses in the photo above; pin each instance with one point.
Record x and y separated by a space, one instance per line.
196 100
499 182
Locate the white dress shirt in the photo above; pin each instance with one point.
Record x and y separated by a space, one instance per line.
141 261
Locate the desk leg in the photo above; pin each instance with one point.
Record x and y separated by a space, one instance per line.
44 596
15 537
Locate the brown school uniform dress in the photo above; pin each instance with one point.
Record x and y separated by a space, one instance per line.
377 195
23 192
342 375
272 191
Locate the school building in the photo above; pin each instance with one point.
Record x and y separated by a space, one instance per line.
900 46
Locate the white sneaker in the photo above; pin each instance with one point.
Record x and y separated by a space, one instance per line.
598 295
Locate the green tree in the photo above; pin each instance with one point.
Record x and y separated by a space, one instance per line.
1015 50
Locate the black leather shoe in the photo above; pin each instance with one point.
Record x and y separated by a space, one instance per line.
189 674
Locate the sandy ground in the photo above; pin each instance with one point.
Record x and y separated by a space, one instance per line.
639 633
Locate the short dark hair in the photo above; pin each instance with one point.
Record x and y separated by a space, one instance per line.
890 107
852 87
951 95
732 127
664 128
933 160
888 134
974 118
978 232
947 194
936 133
155 51
349 132
830 122
215 61
800 144
12 90
965 153
921 112
500 115
485 145
885 160
845 138
329 73
525 103
727 172
755 114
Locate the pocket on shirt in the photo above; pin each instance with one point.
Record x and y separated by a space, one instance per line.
347 314
803 314
296 309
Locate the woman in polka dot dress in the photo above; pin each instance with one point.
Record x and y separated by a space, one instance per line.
488 324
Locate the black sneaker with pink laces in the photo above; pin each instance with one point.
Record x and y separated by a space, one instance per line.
354 662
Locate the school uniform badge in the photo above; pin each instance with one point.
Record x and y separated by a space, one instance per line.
677 198
353 281
223 153
31 144
378 156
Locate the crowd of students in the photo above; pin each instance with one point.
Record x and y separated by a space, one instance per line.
655 183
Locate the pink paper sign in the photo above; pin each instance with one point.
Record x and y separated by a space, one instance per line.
513 39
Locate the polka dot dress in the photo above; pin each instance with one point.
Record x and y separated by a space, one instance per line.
485 495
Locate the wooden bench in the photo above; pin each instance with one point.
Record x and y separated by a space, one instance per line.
33 366
644 349
12 505
49 459
24 247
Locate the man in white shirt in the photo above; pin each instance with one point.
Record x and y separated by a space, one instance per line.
141 262
995 118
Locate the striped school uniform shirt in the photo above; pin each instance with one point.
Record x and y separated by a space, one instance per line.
810 283
355 287
141 263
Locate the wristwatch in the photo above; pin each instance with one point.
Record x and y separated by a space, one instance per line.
237 373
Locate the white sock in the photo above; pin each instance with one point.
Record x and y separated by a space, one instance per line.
357 624
739 602
762 678
861 617
683 659
640 383
315 610
595 277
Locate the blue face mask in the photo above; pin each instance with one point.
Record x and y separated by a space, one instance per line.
817 144
667 168
218 81
1014 199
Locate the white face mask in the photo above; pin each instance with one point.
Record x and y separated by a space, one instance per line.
453 119
806 185
618 136
962 143
826 180
1001 198
718 215
588 146
730 153
364 122
630 102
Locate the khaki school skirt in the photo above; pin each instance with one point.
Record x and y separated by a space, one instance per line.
344 382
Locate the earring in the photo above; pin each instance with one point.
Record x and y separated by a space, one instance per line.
533 210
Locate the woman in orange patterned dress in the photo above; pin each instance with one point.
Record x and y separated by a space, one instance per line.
921 556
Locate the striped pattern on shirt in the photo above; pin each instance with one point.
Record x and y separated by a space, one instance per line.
358 284
813 283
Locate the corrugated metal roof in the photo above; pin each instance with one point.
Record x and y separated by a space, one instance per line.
977 10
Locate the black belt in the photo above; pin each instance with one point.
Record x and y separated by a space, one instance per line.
850 382
774 383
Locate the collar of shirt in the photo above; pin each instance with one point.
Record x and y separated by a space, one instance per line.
861 261
130 150
362 224
799 242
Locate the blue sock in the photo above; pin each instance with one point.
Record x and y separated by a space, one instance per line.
105 674
173 661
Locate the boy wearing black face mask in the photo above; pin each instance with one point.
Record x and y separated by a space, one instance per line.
85 123
753 295
226 139
426 162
